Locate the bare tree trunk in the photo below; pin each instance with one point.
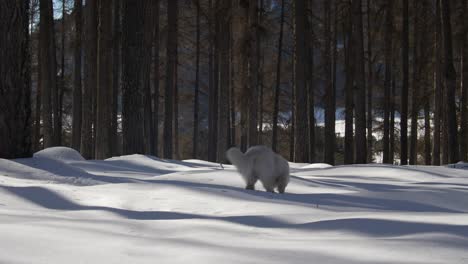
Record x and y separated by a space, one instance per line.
61 84
156 79
132 90
311 80
116 76
349 103
450 81
223 99
104 89
301 153
253 73
464 93
90 80
370 84
47 70
391 153
274 141
196 92
388 79
15 80
413 157
438 98
76 121
329 149
213 87
360 94
404 88
148 38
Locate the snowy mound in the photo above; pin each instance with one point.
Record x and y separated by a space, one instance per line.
317 166
59 153
459 165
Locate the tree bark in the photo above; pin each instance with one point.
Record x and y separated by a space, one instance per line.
171 74
359 73
404 88
274 140
388 79
156 93
116 75
132 85
450 81
196 100
90 78
148 38
329 149
438 98
301 152
349 86
370 84
15 80
76 121
48 80
464 93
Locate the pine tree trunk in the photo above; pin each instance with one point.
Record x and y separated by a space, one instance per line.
15 80
388 79
116 76
464 93
171 82
253 72
223 98
90 78
47 70
301 152
360 91
349 86
132 85
413 157
311 81
76 121
450 82
404 88
392 123
274 140
438 98
213 87
196 100
370 85
329 149
148 38
156 93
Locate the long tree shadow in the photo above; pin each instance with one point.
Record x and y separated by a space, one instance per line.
371 227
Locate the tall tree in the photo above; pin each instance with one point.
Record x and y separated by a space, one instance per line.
223 98
451 84
311 80
171 75
116 76
212 84
404 87
360 91
15 82
47 73
329 149
349 86
388 79
416 84
90 78
76 121
156 77
464 94
132 90
370 83
301 153
438 98
148 39
61 83
274 141
240 63
104 81
196 99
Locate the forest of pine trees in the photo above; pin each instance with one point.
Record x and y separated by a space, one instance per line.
334 81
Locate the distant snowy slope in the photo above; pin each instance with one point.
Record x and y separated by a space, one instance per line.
59 208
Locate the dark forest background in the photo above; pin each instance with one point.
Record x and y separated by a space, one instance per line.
335 81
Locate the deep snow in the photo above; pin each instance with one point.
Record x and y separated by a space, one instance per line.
58 208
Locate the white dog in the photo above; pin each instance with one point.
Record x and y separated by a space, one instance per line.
261 163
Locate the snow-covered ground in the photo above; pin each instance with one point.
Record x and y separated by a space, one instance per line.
59 208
